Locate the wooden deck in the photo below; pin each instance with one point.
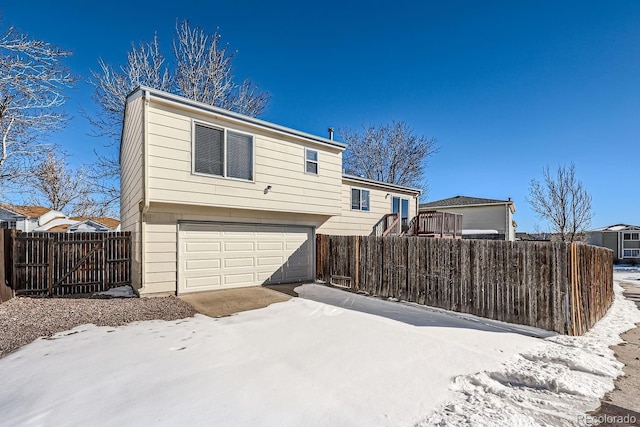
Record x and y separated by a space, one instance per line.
444 225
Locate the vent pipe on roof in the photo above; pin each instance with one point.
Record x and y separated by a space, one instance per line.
331 134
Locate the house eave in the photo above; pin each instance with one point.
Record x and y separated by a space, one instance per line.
222 113
380 184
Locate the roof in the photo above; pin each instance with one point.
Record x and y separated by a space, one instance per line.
60 228
103 220
464 201
381 184
175 99
617 227
28 211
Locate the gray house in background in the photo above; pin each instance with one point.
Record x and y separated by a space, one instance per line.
622 239
490 219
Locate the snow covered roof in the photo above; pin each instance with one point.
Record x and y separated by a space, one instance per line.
616 227
468 232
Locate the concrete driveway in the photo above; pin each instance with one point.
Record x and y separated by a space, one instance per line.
226 302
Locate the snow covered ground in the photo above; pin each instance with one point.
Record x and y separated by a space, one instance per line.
305 362
554 384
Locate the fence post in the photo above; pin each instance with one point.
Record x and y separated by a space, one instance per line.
104 252
357 252
50 264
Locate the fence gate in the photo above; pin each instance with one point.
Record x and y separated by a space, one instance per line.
70 263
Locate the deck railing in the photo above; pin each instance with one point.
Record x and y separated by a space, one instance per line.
389 225
436 224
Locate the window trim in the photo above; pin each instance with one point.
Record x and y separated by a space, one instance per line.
225 130
317 162
360 189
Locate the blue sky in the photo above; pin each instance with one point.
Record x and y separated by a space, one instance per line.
507 87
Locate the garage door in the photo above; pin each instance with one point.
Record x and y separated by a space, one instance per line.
221 256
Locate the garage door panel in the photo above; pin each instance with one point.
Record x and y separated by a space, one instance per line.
238 279
270 246
202 264
218 256
203 283
270 261
203 246
238 246
239 262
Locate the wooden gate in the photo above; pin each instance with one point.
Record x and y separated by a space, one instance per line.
70 263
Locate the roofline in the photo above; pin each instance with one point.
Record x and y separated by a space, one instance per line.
506 202
2 206
606 229
362 180
165 96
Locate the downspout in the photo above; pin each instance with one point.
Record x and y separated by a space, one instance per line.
145 187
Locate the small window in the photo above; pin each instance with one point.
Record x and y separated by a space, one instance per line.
631 253
222 153
627 236
11 224
359 199
311 161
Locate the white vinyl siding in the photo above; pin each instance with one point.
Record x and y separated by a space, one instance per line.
360 223
131 173
276 163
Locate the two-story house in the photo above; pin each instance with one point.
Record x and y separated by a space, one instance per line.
216 199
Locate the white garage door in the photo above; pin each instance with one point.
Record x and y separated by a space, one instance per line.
220 256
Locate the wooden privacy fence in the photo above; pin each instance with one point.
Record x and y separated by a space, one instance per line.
554 286
68 263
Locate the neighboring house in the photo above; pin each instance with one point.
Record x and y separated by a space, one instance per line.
216 199
38 218
481 218
622 239
29 218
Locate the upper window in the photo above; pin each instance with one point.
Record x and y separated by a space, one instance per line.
359 199
223 152
631 236
311 161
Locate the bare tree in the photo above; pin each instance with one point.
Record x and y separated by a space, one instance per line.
202 70
562 201
32 80
389 153
57 186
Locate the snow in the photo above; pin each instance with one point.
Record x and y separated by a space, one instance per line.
118 292
553 384
469 231
327 358
300 362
